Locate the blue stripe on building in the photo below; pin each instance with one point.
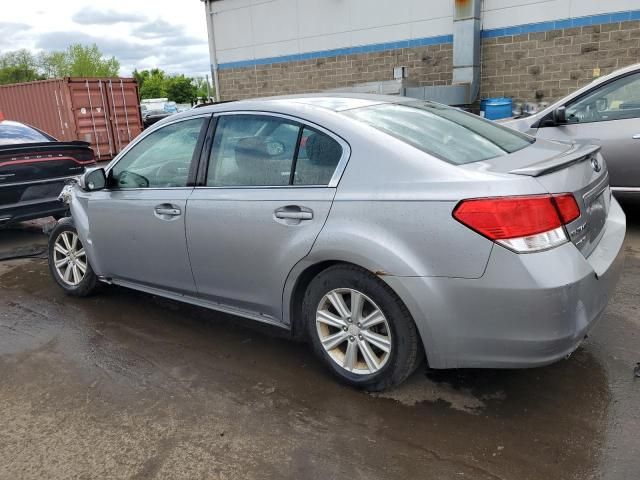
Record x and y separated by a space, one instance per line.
376 47
561 24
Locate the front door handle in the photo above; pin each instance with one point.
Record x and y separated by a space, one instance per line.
636 136
167 210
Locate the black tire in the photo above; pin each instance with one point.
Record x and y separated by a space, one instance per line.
89 282
406 347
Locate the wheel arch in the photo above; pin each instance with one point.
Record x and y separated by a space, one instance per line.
298 282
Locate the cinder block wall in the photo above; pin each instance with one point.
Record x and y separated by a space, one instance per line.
533 50
545 66
428 65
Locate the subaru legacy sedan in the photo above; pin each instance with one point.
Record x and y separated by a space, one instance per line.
382 229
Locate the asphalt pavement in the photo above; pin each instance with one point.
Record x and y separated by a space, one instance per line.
128 385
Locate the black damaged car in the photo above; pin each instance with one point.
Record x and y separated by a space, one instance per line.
33 169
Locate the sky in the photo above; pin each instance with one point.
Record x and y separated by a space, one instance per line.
168 34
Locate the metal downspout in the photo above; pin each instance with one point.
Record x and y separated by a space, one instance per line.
466 46
213 60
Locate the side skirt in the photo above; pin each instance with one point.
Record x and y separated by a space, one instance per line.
198 302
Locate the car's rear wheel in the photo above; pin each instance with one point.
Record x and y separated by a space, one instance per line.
68 261
360 328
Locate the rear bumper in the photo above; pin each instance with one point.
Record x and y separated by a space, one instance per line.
36 200
525 311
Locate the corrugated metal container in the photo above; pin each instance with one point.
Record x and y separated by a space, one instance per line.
101 111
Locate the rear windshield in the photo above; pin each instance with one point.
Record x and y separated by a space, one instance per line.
448 133
15 133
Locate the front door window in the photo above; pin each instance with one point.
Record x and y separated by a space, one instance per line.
160 160
615 100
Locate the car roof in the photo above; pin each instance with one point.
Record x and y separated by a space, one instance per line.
335 102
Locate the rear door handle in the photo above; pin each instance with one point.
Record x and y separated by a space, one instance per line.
294 212
636 136
295 215
168 210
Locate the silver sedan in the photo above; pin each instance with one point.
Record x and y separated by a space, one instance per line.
382 229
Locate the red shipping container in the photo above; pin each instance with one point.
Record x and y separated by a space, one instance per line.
102 111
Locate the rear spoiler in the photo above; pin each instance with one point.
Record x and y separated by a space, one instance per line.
577 153
18 148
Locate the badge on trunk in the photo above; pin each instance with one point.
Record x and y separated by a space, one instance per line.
595 164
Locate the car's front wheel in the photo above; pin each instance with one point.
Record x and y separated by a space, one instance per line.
68 261
360 328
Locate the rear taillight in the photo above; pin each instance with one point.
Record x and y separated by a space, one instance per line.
523 223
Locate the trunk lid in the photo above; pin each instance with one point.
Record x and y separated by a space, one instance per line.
28 162
32 171
565 168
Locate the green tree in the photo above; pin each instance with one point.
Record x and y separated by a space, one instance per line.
141 76
18 66
204 91
181 89
79 61
153 83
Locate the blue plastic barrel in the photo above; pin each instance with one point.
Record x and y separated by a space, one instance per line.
495 108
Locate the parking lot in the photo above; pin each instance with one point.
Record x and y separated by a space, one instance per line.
127 385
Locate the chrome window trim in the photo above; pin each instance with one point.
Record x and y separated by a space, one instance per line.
340 167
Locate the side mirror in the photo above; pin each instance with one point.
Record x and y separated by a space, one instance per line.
93 180
560 115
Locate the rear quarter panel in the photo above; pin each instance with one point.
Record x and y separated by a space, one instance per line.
393 211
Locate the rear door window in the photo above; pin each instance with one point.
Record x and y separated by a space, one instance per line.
263 150
252 151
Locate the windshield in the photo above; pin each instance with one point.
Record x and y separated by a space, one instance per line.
448 133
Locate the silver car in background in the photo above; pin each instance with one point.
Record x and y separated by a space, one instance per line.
607 113
382 229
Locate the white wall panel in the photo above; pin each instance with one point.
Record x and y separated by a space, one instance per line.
268 50
235 54
322 17
275 21
251 29
581 8
432 28
428 9
233 28
378 13
391 33
532 12
325 42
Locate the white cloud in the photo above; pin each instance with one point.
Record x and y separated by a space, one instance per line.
96 16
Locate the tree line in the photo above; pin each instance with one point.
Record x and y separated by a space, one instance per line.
155 83
76 61
88 61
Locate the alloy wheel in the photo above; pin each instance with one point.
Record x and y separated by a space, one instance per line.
69 257
353 331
